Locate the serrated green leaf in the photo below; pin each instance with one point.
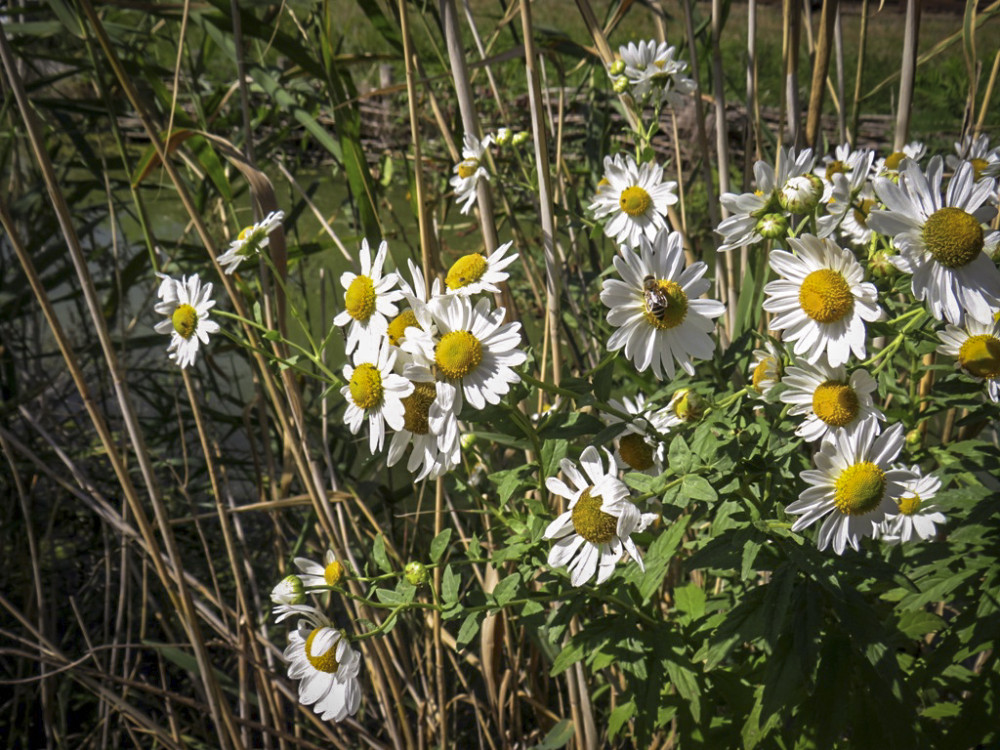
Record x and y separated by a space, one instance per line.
619 716
679 456
450 582
388 596
690 600
696 487
686 684
942 710
506 589
750 551
439 544
470 626
557 737
569 656
553 451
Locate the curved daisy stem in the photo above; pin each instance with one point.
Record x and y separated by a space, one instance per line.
296 313
885 354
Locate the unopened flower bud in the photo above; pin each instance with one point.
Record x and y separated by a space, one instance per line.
416 573
772 226
468 440
620 85
686 404
617 67
880 266
503 136
801 194
520 137
289 591
914 438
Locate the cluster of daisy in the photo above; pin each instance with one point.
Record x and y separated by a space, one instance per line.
186 303
816 220
319 654
415 368
472 168
650 72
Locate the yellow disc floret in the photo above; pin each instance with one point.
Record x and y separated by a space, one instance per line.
909 504
980 356
333 572
397 327
360 298
458 354
835 167
677 306
635 201
766 370
467 168
953 237
592 523
835 403
859 489
366 386
825 296
325 662
185 320
636 452
466 270
416 406
978 165
893 160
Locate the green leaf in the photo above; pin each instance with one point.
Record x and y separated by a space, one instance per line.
690 600
750 551
658 556
439 544
552 452
919 623
557 737
679 456
379 555
697 488
619 716
511 481
942 710
470 626
450 582
569 656
388 596
684 681
506 589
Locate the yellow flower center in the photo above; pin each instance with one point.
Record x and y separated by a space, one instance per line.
416 407
366 386
245 233
635 451
333 572
185 320
397 328
466 270
978 165
892 160
467 168
825 296
835 403
592 523
953 237
909 504
635 201
766 370
862 210
325 663
360 298
602 182
980 356
835 167
859 489
676 308
457 354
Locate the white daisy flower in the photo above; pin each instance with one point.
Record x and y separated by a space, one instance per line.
636 198
186 304
472 354
821 301
637 449
845 189
434 452
314 575
941 241
417 297
289 591
650 68
374 391
985 160
846 162
748 210
765 370
831 402
470 171
251 241
890 165
913 516
596 530
657 310
472 274
319 655
368 300
976 349
853 485
854 222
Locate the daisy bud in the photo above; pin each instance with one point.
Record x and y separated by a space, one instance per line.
289 591
914 438
617 67
468 440
620 85
686 404
416 573
772 226
503 137
880 266
801 194
520 138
